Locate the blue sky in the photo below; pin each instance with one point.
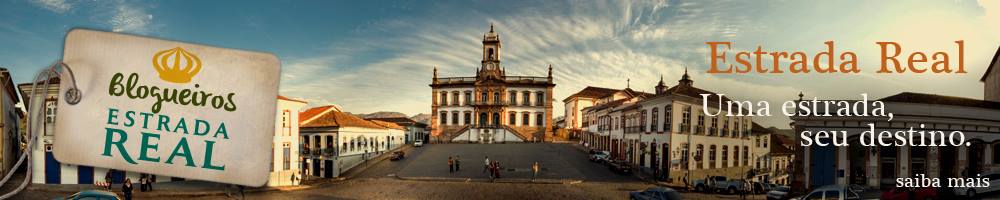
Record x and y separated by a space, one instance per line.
371 56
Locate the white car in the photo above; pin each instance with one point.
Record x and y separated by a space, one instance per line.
418 143
833 192
972 192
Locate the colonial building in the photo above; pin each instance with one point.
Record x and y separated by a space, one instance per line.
45 168
574 104
10 117
773 154
284 150
880 166
334 141
414 130
657 132
991 79
491 106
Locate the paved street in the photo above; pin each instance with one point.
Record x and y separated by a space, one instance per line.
379 180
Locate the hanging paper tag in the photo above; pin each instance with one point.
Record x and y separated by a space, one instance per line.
169 108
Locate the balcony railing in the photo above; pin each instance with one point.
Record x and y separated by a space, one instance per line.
489 103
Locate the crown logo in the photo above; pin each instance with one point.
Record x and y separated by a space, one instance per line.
176 65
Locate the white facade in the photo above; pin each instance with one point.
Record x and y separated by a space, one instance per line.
653 131
45 168
334 141
285 162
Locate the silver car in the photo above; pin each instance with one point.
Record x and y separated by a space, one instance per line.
832 192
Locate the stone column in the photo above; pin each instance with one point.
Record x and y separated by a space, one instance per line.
903 162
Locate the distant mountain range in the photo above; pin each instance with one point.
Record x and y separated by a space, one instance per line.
422 118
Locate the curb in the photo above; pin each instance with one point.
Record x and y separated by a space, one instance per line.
480 180
168 193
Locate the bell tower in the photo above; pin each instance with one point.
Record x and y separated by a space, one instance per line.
491 55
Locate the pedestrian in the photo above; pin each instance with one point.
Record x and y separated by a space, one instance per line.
458 163
742 191
294 178
451 165
142 182
498 168
127 189
486 165
534 171
150 181
107 179
242 195
686 185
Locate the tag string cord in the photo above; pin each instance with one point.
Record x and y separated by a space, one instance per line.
73 96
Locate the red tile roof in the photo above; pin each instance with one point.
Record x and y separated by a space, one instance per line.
290 99
592 92
329 116
306 116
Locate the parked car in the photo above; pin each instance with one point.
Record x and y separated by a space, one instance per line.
599 156
836 192
93 194
620 166
779 193
719 184
658 193
972 192
760 188
397 155
910 193
418 143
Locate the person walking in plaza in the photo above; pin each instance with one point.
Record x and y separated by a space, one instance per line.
451 165
534 171
107 179
127 189
458 163
486 165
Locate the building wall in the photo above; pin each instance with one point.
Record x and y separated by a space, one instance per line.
350 147
10 132
574 112
992 83
286 136
45 168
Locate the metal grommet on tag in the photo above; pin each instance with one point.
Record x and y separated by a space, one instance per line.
72 96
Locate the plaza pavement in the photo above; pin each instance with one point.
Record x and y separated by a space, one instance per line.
559 163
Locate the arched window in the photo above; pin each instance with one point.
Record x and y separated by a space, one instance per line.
539 119
482 119
667 115
512 118
444 98
653 126
725 156
489 54
496 98
512 98
483 97
524 119
496 119
444 118
736 156
540 99
699 155
711 157
746 155
527 98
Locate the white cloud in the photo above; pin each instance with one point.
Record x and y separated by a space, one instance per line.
58 6
128 18
605 43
